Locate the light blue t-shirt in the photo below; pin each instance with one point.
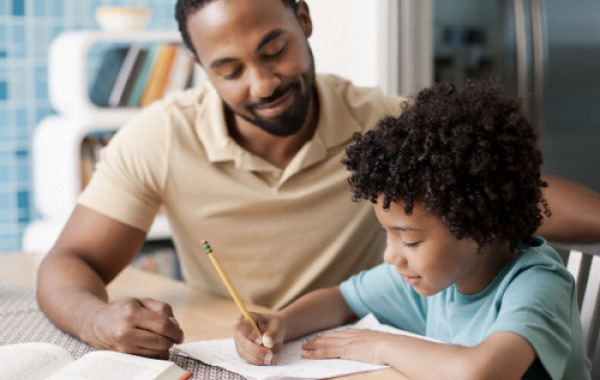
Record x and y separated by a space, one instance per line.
533 296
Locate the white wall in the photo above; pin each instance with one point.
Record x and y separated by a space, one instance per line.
384 43
344 39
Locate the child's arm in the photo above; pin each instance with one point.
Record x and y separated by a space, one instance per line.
502 356
318 310
315 311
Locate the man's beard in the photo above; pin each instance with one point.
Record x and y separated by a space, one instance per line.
293 119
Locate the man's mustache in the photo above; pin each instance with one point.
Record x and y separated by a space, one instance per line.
278 93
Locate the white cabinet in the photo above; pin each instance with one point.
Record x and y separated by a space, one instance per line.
57 140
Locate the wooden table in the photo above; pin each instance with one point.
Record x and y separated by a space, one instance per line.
202 316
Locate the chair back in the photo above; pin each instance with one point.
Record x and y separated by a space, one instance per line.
583 261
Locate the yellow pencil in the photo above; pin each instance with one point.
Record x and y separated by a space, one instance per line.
228 284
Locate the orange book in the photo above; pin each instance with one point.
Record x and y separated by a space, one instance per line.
159 74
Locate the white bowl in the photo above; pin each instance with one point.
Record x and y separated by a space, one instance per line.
122 19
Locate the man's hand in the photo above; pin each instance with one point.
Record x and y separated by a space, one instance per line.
135 326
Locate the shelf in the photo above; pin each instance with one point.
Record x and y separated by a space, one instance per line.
57 162
40 235
57 141
68 70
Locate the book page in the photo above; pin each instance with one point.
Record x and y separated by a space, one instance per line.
32 361
290 365
109 365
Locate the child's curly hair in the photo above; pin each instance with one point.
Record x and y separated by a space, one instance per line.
470 157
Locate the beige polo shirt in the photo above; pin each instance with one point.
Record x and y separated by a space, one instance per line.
277 233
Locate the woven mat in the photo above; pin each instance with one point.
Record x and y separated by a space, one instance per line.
22 321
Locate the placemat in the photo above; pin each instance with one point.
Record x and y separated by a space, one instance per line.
22 321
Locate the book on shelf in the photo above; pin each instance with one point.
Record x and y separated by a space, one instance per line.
181 71
91 146
142 78
106 76
138 74
159 257
124 73
46 361
135 73
159 74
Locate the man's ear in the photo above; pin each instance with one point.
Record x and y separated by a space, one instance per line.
303 15
195 58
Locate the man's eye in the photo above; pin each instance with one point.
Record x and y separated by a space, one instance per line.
410 244
232 74
275 54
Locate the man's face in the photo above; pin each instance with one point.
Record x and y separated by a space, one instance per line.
256 55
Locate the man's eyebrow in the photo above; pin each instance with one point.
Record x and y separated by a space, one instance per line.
221 62
269 37
266 39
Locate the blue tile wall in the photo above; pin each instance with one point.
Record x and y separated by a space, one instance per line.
26 29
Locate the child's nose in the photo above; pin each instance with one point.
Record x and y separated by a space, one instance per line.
393 257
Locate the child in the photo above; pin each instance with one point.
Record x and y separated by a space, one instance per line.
455 183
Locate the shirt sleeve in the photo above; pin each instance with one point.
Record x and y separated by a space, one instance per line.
538 306
128 179
382 291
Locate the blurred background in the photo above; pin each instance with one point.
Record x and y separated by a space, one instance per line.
546 51
26 29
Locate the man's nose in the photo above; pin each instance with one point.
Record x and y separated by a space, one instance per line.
263 82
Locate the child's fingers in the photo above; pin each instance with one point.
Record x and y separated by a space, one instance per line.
322 347
248 343
245 328
269 337
273 332
252 352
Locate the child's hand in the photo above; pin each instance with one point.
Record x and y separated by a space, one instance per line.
253 347
352 344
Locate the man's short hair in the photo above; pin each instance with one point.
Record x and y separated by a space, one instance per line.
186 8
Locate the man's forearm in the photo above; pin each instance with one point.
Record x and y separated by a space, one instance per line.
68 290
575 212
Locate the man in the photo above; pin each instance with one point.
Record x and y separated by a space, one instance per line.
251 163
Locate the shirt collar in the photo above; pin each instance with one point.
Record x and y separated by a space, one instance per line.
335 126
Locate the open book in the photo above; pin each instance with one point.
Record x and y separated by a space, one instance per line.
45 361
290 365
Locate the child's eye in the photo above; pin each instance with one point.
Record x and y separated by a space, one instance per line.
410 244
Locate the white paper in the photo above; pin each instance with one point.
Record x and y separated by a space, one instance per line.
290 365
31 361
44 361
109 365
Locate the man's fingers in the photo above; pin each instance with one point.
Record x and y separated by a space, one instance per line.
157 306
151 341
172 319
161 323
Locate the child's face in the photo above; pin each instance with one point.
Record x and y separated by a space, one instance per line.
427 255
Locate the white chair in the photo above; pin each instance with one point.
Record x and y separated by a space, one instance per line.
583 261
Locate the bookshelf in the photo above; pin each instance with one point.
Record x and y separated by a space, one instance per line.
57 141
68 71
